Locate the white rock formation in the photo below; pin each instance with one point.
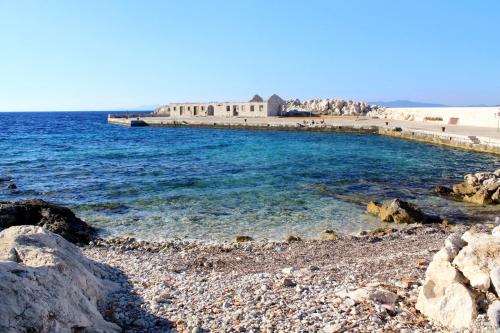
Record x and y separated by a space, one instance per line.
459 277
478 258
48 286
332 106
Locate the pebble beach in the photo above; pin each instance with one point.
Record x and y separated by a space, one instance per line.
364 283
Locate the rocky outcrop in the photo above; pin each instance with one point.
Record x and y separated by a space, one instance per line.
57 219
399 211
458 280
48 286
482 188
332 106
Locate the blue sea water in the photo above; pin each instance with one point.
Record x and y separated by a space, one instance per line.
212 184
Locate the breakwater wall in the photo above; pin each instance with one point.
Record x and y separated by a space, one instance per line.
474 143
465 139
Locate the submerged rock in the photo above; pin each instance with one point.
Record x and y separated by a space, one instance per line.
57 219
243 239
48 286
399 211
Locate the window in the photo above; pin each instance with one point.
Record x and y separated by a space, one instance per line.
261 108
228 108
175 108
202 108
189 108
252 108
168 109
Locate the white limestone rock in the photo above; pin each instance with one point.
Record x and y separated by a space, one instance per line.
495 279
496 231
455 243
454 306
443 297
494 315
48 286
478 258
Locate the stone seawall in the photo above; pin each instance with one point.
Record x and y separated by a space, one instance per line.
486 145
471 138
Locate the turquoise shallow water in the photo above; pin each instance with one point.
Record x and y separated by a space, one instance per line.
213 184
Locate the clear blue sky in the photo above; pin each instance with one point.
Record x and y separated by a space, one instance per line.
102 54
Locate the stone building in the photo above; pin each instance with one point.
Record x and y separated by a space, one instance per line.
256 107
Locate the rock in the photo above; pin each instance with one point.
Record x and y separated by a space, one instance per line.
57 219
328 235
464 189
288 270
12 187
53 288
359 295
443 297
494 315
481 197
455 243
287 282
5 179
242 239
399 211
454 306
382 296
496 231
292 238
475 260
495 279
443 190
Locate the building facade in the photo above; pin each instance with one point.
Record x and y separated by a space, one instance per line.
256 107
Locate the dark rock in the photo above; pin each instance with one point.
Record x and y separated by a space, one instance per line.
5 179
57 219
12 187
443 190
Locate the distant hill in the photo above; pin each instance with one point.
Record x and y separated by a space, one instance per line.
405 104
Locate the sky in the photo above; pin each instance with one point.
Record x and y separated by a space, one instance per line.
100 55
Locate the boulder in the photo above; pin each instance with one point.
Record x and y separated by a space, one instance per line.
57 219
482 197
464 189
478 258
399 211
442 297
48 286
494 315
495 279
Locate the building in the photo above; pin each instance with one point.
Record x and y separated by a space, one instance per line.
256 107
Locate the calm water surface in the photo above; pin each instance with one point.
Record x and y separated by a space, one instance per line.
213 184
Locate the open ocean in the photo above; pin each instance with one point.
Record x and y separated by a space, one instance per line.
213 184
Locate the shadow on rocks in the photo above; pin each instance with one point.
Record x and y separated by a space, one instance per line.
127 309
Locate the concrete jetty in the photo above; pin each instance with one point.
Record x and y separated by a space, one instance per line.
482 139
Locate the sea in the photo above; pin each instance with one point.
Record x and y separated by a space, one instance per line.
212 184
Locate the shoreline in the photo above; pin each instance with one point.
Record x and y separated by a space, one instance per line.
275 286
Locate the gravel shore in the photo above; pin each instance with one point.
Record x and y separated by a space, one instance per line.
300 286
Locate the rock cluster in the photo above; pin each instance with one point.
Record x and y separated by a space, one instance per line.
482 188
60 220
331 106
399 211
463 279
48 286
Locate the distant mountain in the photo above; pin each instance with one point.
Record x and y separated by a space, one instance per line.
405 104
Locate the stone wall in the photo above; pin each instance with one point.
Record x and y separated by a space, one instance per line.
464 116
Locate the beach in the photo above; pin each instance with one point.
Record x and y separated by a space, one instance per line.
301 286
